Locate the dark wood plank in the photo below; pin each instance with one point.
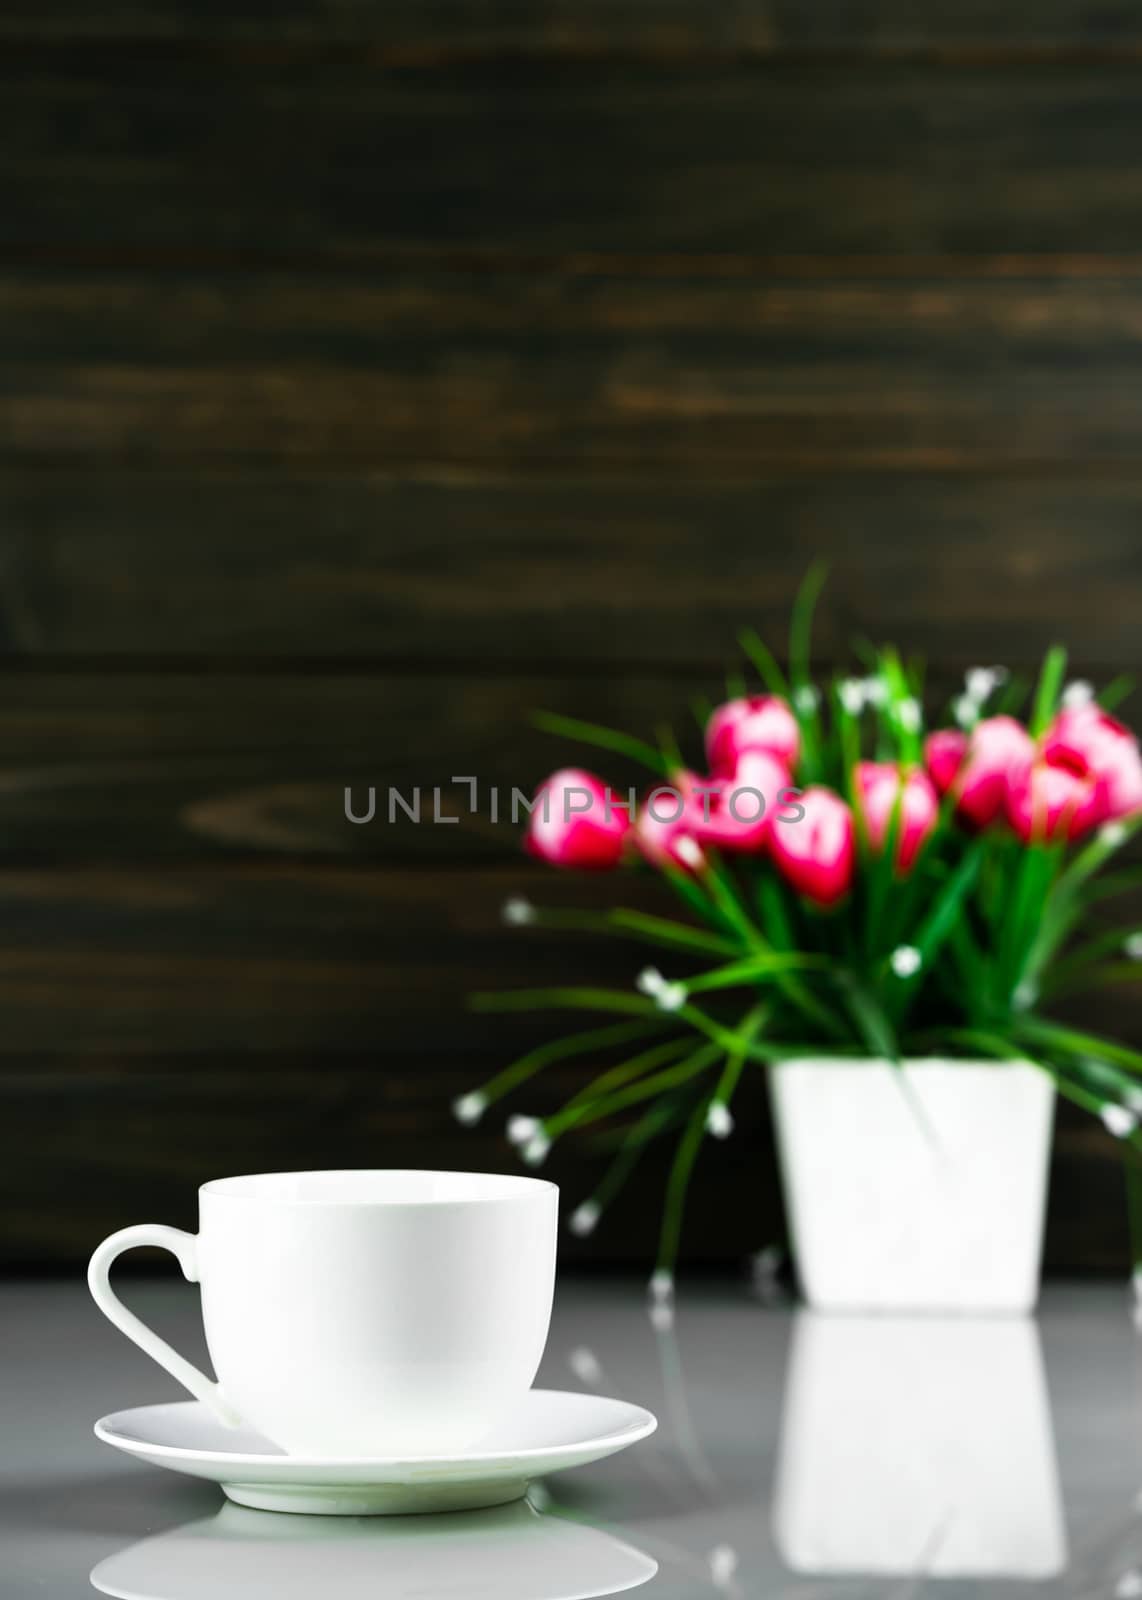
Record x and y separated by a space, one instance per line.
447 569
167 1124
119 152
132 768
595 27
685 376
264 960
89 1144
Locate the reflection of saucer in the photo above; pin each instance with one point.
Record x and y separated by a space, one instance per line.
510 1553
918 1445
547 1432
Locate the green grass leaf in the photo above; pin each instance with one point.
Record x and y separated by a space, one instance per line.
801 625
1117 690
1027 922
621 744
873 1025
1112 884
982 1043
764 662
1082 963
632 1142
755 968
607 1105
575 1044
1071 1042
723 892
776 923
698 898
668 746
1106 843
569 999
938 924
622 1073
1047 691
677 1185
662 931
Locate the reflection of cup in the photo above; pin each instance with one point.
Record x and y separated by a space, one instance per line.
511 1553
360 1313
917 1446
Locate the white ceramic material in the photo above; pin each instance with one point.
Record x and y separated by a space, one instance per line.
543 1432
919 1187
511 1553
918 1446
373 1314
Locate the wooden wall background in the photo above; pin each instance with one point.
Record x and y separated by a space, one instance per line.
373 373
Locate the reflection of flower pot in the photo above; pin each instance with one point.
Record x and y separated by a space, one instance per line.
510 1553
917 1445
916 1187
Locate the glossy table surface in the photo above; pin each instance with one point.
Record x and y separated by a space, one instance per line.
796 1455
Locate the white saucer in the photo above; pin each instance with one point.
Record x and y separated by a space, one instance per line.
509 1553
551 1430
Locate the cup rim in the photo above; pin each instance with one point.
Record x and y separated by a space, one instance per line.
473 1188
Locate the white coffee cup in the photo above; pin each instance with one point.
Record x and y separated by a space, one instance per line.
360 1313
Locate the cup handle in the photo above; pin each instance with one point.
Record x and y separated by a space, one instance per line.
184 1248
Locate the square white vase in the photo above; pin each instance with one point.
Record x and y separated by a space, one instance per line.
918 1187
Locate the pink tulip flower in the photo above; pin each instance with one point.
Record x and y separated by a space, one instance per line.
816 853
668 822
980 765
741 814
760 722
878 784
1050 803
1088 742
944 754
573 825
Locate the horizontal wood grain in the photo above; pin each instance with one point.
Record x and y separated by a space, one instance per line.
349 160
596 27
166 1125
377 371
261 960
426 572
134 1137
131 766
183 766
687 377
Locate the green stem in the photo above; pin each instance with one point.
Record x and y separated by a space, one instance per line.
573 999
770 963
1047 689
717 882
1073 1043
760 948
644 1089
764 663
736 1059
558 1050
698 898
1063 974
635 1141
623 744
662 930
677 1185
626 1072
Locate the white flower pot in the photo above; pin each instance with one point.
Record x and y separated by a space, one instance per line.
918 1187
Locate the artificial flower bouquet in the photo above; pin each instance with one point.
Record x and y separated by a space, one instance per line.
853 885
